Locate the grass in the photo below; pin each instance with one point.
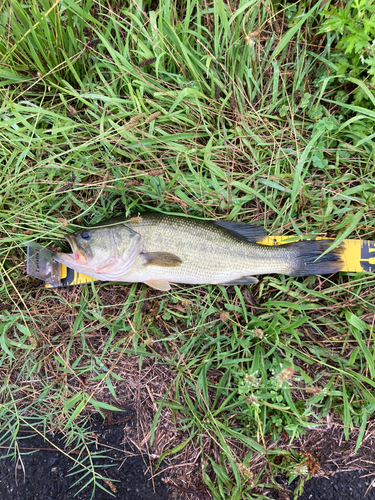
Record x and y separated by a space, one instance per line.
214 110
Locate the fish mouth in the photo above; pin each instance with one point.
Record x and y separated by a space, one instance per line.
77 257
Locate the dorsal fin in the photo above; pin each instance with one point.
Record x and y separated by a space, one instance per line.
242 231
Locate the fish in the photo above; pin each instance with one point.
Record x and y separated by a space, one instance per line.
161 250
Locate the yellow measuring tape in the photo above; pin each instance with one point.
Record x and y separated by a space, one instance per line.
358 255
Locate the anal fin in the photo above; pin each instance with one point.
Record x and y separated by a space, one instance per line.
162 285
244 280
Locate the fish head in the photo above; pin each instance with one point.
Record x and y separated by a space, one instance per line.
106 253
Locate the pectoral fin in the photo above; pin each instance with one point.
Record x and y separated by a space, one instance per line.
162 259
244 280
162 285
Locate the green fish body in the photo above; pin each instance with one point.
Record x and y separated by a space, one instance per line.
161 249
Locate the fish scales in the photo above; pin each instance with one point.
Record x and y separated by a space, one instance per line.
208 254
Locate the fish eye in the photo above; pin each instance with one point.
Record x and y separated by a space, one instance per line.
85 235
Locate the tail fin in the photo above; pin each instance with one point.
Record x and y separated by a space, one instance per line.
307 253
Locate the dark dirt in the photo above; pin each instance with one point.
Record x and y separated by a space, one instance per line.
341 473
349 485
343 486
44 474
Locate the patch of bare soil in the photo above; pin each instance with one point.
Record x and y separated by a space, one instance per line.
338 472
43 470
354 485
329 447
343 474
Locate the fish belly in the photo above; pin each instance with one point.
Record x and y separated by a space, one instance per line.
222 266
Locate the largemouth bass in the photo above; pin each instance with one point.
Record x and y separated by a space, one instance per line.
159 249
